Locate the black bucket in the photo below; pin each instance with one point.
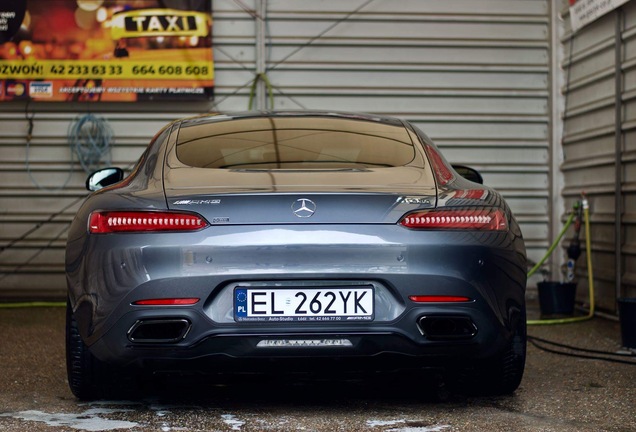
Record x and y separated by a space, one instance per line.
627 314
556 298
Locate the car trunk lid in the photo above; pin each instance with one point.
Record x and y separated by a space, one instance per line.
380 195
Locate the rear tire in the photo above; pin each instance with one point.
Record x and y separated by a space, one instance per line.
88 377
501 374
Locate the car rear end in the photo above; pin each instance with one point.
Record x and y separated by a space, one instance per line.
268 258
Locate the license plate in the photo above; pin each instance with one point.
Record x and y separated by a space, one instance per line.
304 304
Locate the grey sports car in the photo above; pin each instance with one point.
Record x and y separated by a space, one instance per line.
257 240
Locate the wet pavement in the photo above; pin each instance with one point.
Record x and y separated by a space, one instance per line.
558 393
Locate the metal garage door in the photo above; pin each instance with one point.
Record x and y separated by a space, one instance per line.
473 74
599 144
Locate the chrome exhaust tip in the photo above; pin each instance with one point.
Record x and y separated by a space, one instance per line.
445 327
168 330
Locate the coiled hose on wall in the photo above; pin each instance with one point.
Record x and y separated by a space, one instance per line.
90 138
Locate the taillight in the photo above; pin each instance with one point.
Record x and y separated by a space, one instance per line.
102 222
483 219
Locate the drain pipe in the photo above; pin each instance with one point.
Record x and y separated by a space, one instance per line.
618 136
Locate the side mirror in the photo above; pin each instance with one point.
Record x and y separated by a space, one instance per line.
104 177
469 173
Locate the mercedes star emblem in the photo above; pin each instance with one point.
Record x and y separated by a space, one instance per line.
304 208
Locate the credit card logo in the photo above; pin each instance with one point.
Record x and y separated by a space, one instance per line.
15 89
38 89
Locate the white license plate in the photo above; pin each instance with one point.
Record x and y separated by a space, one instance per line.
304 304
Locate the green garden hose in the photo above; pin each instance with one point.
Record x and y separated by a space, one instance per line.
31 305
590 275
534 269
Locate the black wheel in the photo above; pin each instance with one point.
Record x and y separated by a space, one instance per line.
501 374
80 363
88 377
511 363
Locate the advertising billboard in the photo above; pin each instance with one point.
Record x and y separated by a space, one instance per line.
106 50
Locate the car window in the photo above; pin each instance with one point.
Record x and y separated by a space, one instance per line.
294 143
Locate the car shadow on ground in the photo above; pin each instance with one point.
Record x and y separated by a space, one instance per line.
300 389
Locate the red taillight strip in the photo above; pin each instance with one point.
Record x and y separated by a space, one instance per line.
167 302
439 299
102 222
486 219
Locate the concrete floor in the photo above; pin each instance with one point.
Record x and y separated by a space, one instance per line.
557 394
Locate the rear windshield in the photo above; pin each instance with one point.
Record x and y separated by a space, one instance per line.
294 143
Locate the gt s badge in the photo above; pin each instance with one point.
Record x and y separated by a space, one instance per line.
197 202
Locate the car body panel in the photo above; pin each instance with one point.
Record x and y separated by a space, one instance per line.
255 239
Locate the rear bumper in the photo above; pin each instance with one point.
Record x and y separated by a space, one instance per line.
205 340
116 271
240 353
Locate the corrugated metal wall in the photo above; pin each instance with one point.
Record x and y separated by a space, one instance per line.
473 74
599 145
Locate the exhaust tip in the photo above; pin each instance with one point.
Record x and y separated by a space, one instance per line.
159 330
447 327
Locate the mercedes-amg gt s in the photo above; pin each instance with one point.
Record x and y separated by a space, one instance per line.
252 240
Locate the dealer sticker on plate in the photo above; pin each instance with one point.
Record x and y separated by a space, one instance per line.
304 304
